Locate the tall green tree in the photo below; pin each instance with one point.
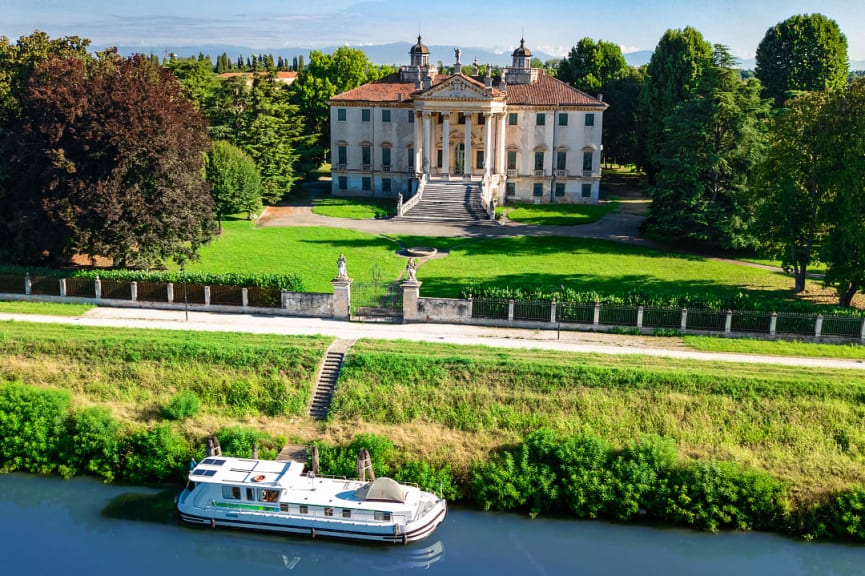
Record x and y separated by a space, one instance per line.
108 158
712 141
843 132
805 52
590 65
197 77
621 120
235 182
790 186
673 72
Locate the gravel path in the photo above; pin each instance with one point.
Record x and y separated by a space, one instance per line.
581 342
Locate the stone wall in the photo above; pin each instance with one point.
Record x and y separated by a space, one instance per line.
308 304
445 310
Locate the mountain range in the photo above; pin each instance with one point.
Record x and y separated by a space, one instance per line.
395 53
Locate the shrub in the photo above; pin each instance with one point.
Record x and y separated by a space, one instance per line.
154 455
840 516
439 481
237 441
32 427
342 460
184 404
92 443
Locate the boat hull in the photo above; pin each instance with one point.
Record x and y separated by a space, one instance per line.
317 527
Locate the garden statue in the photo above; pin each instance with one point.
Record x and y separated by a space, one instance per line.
411 269
340 268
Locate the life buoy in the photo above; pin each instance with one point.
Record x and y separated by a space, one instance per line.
259 478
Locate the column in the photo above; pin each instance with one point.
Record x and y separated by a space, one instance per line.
427 143
488 143
501 166
410 295
417 143
446 143
341 298
468 145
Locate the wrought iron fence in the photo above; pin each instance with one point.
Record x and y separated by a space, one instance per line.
117 289
662 317
751 322
10 284
491 308
81 287
149 291
44 286
574 312
226 295
264 297
710 320
842 326
795 324
538 310
618 316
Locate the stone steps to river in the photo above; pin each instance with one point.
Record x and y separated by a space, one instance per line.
328 375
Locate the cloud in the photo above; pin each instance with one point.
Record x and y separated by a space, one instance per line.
630 49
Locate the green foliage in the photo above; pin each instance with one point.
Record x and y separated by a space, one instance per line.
559 214
237 441
804 52
356 208
621 134
590 65
158 454
342 460
32 426
184 404
235 182
92 443
713 140
439 481
841 516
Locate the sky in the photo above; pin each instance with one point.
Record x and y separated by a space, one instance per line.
550 26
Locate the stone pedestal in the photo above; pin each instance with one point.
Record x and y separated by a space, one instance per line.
410 295
341 298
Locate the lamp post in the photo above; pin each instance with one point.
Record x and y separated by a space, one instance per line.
185 299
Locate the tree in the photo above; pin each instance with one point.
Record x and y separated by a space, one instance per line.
108 159
791 188
843 133
235 183
671 76
590 65
712 141
805 52
197 77
621 137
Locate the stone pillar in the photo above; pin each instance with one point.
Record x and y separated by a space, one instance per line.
427 143
596 319
446 143
501 167
511 310
62 287
728 322
553 307
244 297
410 295
133 291
639 316
862 331
28 285
341 298
207 295
818 326
470 307
97 287
468 153
170 293
773 324
488 143
684 325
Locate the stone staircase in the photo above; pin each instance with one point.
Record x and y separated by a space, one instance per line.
443 201
328 375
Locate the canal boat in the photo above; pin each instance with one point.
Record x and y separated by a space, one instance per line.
281 496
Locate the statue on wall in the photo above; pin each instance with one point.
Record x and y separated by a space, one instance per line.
340 268
411 269
458 53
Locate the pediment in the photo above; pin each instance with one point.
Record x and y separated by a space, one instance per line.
456 87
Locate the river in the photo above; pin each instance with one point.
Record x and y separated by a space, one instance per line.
81 526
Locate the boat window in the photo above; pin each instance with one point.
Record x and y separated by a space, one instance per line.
304 509
328 511
346 513
283 506
382 516
231 492
249 494
269 496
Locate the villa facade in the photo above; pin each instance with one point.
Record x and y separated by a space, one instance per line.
522 136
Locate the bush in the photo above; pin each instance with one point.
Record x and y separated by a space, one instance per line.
238 441
155 455
841 516
93 443
184 404
439 481
32 427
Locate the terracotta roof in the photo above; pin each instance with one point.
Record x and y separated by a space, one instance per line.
549 91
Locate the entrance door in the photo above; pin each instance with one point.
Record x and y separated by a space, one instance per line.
459 158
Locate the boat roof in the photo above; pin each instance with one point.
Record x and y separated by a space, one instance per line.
226 469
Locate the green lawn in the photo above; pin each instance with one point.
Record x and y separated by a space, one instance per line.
558 214
776 348
310 252
356 208
546 262
47 308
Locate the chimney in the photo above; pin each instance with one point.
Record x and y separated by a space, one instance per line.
427 82
399 97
